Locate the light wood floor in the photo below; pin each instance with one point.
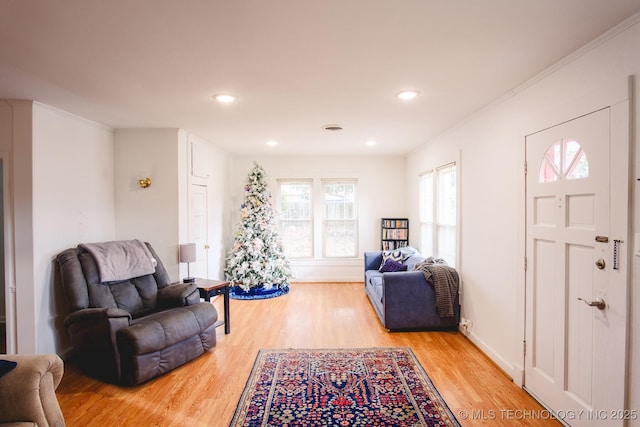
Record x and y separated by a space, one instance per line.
313 315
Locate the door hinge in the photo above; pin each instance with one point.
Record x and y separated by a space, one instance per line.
525 167
524 347
526 263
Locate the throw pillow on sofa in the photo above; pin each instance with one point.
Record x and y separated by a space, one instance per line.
6 366
390 266
407 252
392 255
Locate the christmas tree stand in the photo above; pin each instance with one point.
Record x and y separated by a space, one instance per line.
258 292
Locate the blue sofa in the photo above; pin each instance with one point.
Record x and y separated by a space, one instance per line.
404 300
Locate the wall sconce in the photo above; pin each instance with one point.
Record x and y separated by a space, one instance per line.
144 183
188 255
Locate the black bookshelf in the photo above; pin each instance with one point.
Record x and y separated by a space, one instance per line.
394 233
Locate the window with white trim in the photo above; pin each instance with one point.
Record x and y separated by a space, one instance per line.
296 217
340 221
438 213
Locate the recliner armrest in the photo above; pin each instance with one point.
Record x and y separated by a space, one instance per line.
95 314
93 337
178 295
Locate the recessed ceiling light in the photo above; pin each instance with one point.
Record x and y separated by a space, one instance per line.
371 143
225 98
272 143
406 95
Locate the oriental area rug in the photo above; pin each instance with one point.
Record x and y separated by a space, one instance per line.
380 387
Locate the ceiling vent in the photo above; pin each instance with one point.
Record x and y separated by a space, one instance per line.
333 128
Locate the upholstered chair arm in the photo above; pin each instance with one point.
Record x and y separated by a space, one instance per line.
28 392
408 297
178 295
93 337
372 260
95 315
95 327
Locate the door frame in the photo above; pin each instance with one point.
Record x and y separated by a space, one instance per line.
200 164
10 297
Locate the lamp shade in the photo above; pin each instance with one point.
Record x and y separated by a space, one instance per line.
188 252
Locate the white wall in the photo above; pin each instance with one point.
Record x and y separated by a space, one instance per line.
491 147
72 203
381 193
150 214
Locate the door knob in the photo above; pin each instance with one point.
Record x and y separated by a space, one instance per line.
600 264
598 303
206 246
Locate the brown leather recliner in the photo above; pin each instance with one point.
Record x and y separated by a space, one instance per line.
127 332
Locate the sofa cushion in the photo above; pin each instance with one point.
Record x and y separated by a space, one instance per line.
374 285
408 251
391 266
413 260
373 277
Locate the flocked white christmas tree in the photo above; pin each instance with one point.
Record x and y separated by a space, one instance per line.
257 258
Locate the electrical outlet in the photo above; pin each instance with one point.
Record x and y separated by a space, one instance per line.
465 326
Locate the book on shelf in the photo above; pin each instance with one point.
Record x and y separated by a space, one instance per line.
390 245
395 223
395 234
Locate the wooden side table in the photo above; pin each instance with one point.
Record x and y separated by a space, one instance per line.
209 288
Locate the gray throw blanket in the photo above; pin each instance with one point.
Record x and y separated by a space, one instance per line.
121 260
445 283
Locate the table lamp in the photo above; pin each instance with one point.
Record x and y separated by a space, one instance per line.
188 255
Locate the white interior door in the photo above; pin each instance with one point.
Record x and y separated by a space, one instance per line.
198 229
575 357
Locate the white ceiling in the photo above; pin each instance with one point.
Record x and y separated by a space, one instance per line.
296 65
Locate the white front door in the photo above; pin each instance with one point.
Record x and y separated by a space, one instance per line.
575 287
198 230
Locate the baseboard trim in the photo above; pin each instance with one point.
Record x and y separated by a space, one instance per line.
506 367
518 375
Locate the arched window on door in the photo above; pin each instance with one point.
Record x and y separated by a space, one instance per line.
565 159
